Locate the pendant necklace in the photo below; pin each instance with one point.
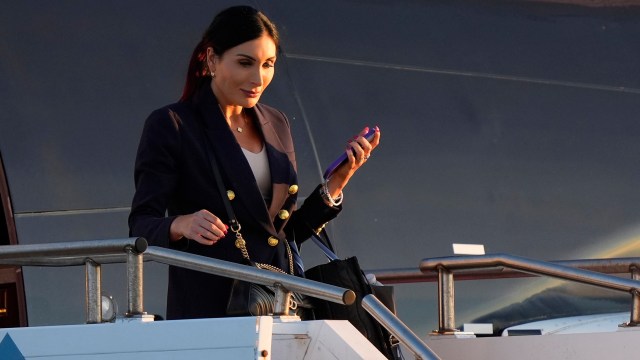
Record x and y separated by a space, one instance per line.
239 128
242 115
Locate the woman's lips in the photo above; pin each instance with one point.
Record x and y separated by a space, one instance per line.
251 94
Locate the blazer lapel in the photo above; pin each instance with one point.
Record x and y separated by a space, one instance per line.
279 165
230 158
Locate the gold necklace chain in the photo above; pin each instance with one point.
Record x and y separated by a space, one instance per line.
241 244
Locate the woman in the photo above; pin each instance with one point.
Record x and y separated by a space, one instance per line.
219 115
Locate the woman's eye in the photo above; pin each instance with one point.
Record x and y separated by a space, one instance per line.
268 65
246 63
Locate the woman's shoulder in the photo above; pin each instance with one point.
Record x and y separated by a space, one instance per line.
271 113
172 115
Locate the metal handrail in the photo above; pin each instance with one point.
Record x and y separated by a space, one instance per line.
78 253
131 251
293 283
444 266
532 266
252 274
397 328
70 253
414 275
93 253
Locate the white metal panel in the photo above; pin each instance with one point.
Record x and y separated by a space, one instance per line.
232 338
321 340
612 345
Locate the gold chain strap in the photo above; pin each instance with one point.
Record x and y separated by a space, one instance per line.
242 245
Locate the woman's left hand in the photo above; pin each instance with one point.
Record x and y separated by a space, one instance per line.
358 152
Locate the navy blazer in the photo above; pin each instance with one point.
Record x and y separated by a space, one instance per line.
173 176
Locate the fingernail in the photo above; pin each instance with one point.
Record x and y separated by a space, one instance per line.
366 129
377 128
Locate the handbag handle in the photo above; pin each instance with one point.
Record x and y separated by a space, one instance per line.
325 249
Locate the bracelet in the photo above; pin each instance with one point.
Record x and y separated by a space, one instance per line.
326 196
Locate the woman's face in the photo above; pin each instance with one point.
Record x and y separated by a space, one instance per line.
243 72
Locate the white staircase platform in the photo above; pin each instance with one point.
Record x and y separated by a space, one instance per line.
228 338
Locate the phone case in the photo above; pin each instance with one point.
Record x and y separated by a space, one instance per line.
343 157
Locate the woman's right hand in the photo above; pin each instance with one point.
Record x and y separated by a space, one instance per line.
201 226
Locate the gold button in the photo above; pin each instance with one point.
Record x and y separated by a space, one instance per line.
231 195
273 241
283 214
293 189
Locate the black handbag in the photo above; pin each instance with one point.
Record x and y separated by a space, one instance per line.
348 274
246 298
249 299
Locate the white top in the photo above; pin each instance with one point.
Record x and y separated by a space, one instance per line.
260 166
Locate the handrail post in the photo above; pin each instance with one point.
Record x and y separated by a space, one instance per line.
446 301
282 301
134 283
93 288
635 297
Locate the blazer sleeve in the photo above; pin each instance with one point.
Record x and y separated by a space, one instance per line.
312 216
156 176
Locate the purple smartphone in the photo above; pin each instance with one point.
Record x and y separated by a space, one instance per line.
343 157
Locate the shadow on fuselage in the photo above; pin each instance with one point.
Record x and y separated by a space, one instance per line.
557 302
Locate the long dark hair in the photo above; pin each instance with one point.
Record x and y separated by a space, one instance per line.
230 28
